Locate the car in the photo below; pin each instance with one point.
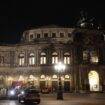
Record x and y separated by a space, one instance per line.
13 93
29 95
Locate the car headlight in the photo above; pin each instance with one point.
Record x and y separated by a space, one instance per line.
22 92
12 92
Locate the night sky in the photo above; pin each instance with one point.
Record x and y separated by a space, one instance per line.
17 16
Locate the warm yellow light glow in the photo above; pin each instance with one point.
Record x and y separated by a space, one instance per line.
35 78
60 67
94 81
10 79
42 76
54 76
67 76
62 78
21 78
31 76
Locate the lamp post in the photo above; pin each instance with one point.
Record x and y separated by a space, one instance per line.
60 68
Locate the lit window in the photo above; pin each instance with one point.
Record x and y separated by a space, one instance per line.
21 59
54 76
31 59
21 78
85 55
66 58
54 58
93 57
90 56
31 78
43 58
42 76
67 76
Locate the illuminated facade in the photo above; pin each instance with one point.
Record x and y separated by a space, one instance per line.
33 59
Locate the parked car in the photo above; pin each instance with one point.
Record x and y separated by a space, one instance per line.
29 95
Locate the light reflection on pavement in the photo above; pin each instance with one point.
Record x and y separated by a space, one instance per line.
69 99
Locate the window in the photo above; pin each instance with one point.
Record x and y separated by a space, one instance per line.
53 35
43 58
62 35
85 55
69 35
54 58
42 76
45 35
67 76
54 76
93 57
31 36
38 35
90 56
31 59
21 59
66 58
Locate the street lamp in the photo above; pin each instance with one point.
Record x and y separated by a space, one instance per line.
60 68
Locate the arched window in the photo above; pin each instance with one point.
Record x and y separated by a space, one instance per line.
67 76
31 59
54 58
66 58
54 76
21 78
42 76
21 59
43 58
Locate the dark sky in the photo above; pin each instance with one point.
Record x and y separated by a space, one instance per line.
17 16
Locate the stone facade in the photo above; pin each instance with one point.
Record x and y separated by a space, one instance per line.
40 49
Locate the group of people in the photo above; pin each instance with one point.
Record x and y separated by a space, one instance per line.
3 91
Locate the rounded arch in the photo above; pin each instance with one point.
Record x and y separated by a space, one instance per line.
42 53
93 80
54 76
42 76
21 78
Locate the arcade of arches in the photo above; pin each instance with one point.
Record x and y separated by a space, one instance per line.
39 82
52 81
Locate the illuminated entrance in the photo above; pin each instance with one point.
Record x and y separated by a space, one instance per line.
93 81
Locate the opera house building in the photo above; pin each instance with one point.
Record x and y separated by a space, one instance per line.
33 59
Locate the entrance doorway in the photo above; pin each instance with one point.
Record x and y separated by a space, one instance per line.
93 81
54 86
66 86
42 84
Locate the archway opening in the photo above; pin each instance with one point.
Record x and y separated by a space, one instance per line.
93 81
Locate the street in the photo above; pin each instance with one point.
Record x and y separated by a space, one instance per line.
69 99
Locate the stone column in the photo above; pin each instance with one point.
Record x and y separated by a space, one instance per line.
26 57
37 57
